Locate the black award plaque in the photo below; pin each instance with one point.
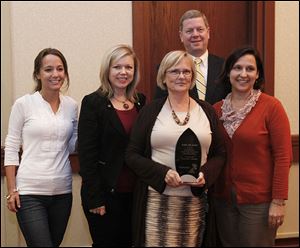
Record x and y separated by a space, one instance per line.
188 156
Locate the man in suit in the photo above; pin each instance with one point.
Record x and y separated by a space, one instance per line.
194 34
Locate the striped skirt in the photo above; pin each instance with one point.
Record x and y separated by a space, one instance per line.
174 220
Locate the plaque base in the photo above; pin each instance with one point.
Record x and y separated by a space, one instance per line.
188 179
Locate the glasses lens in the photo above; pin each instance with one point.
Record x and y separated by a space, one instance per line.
178 72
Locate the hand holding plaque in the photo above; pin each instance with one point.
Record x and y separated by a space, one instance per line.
188 157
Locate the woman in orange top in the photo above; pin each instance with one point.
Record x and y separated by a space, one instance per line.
250 194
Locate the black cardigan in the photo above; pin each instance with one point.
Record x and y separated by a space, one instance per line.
138 158
102 142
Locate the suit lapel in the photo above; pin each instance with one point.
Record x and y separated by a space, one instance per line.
114 120
211 75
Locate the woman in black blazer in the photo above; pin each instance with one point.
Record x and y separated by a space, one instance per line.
105 122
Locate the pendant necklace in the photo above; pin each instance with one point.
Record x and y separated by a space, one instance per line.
175 117
125 105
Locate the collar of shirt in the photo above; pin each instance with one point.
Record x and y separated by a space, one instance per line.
204 64
204 58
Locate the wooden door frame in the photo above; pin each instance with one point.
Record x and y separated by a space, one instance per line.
262 37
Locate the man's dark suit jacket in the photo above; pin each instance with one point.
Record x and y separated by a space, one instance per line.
214 91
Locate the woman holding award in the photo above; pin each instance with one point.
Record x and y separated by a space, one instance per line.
177 152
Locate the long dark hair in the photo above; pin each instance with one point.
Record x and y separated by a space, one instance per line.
38 64
233 58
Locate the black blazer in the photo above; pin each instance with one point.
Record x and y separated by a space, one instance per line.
214 91
102 141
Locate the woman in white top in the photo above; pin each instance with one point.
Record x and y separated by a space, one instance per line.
44 124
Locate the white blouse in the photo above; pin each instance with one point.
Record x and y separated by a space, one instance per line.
46 139
166 133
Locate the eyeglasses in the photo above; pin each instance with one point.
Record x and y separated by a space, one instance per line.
176 73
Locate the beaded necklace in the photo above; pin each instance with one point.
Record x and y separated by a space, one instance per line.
175 117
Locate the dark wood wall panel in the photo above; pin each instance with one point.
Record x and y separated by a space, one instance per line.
263 38
232 24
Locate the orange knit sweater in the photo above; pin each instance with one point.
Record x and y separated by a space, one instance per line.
259 155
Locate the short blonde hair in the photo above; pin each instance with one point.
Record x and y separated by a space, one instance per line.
115 53
171 59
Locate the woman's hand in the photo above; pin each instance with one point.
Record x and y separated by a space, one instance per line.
100 210
276 213
173 179
13 201
200 181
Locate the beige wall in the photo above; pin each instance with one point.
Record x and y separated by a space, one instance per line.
83 31
6 75
287 59
287 90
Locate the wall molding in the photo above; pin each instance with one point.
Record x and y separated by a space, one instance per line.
295 146
287 242
75 162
